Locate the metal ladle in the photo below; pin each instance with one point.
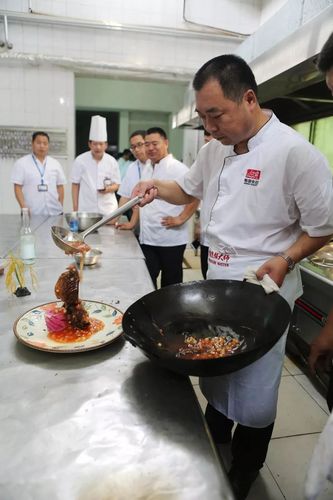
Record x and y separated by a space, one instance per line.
63 237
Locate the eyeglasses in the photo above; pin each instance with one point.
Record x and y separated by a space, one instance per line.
133 147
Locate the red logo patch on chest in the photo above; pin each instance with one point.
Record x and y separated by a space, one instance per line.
252 177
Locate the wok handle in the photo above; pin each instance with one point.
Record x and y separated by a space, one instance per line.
115 213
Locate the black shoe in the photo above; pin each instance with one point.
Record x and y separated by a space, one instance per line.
241 481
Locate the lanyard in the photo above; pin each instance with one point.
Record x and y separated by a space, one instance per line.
41 172
139 170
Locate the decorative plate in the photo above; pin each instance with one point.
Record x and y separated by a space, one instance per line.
30 328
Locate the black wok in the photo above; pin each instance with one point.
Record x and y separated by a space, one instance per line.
157 323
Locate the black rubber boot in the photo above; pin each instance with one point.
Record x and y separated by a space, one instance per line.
249 449
241 481
220 426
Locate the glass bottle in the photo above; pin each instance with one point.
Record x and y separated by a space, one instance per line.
27 239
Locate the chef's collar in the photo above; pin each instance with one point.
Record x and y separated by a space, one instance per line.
144 163
92 156
257 139
165 159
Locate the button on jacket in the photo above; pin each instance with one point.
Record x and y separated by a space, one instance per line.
90 174
151 230
257 205
26 174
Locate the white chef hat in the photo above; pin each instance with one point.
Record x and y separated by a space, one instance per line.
98 129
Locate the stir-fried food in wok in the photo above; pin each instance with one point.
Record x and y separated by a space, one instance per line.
208 347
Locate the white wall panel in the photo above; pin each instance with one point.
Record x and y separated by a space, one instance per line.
240 16
30 97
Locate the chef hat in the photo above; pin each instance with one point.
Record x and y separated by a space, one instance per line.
98 129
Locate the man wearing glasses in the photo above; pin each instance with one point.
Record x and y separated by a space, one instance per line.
133 175
163 229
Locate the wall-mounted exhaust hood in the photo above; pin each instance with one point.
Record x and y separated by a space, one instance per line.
287 77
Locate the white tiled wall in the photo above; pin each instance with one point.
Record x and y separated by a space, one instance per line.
220 13
38 98
118 48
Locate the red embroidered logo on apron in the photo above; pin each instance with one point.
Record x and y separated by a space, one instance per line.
218 258
252 177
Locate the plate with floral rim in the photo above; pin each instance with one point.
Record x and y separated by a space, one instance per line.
31 330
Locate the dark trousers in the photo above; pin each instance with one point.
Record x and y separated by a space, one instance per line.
249 445
204 260
167 260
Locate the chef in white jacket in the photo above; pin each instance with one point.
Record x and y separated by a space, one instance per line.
95 174
270 199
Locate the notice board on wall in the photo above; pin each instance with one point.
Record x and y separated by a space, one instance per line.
16 141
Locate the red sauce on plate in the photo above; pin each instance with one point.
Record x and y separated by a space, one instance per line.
70 334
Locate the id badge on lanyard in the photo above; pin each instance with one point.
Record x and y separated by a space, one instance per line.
42 187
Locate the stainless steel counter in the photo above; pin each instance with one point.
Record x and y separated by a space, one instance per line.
101 424
324 274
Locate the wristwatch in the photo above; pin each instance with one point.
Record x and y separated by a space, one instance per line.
291 263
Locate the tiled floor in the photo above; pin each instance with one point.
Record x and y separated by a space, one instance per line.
302 413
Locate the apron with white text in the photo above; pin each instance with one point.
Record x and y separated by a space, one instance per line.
249 396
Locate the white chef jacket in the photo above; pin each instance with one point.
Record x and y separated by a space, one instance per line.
259 203
26 174
133 176
91 174
205 209
151 230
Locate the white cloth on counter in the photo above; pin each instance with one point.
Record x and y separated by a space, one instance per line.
267 283
321 465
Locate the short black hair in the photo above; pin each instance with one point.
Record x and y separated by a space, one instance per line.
138 132
233 74
325 59
44 134
157 130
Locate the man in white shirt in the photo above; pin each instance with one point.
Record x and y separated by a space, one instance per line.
39 179
95 174
133 176
163 229
270 202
